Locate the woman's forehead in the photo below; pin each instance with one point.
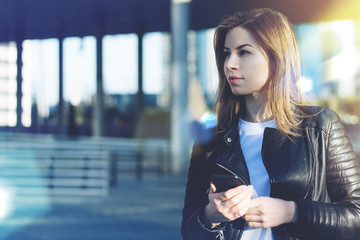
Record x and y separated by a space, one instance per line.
239 36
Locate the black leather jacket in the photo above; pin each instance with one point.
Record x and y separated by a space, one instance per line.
318 171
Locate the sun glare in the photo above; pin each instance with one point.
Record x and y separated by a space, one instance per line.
5 202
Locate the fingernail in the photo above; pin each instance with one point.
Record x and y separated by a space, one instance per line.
213 188
243 188
254 193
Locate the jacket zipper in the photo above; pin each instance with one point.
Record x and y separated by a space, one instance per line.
221 234
221 230
226 169
313 168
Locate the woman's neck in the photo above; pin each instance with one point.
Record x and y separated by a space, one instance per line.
257 109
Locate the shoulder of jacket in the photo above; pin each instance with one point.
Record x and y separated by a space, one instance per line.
209 143
318 117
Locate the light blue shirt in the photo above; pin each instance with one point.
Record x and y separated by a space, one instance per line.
251 138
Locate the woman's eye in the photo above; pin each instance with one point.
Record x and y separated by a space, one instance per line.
227 53
243 52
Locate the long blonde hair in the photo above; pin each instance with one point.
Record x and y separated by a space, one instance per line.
276 38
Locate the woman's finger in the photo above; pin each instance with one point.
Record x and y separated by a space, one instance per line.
256 202
256 224
241 208
252 217
229 194
236 199
212 187
252 210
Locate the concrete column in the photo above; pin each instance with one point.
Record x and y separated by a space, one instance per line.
179 118
19 79
98 127
61 120
140 93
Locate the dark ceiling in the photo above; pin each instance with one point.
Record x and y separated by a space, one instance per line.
39 19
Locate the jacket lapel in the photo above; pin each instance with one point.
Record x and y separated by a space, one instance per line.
232 158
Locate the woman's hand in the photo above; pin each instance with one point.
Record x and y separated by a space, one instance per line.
265 212
227 206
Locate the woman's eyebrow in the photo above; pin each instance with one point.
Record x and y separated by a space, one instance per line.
239 47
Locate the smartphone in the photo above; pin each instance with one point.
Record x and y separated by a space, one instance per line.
224 182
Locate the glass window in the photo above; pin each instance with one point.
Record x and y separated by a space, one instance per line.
79 69
8 72
154 51
40 78
120 63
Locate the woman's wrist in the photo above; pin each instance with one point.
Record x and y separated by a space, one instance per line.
207 220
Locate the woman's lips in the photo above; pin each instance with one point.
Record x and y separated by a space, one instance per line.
235 79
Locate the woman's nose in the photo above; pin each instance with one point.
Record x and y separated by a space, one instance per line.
232 63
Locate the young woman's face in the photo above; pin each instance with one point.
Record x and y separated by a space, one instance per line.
246 67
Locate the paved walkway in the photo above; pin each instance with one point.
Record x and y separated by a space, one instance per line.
150 209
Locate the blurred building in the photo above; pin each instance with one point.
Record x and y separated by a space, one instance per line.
8 84
119 71
136 64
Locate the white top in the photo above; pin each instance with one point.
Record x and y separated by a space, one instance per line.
251 139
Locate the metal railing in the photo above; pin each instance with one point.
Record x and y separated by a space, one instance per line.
83 167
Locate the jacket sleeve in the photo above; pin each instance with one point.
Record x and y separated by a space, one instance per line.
339 219
196 197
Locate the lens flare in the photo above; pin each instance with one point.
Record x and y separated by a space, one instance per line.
5 202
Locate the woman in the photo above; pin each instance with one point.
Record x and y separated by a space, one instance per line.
296 158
